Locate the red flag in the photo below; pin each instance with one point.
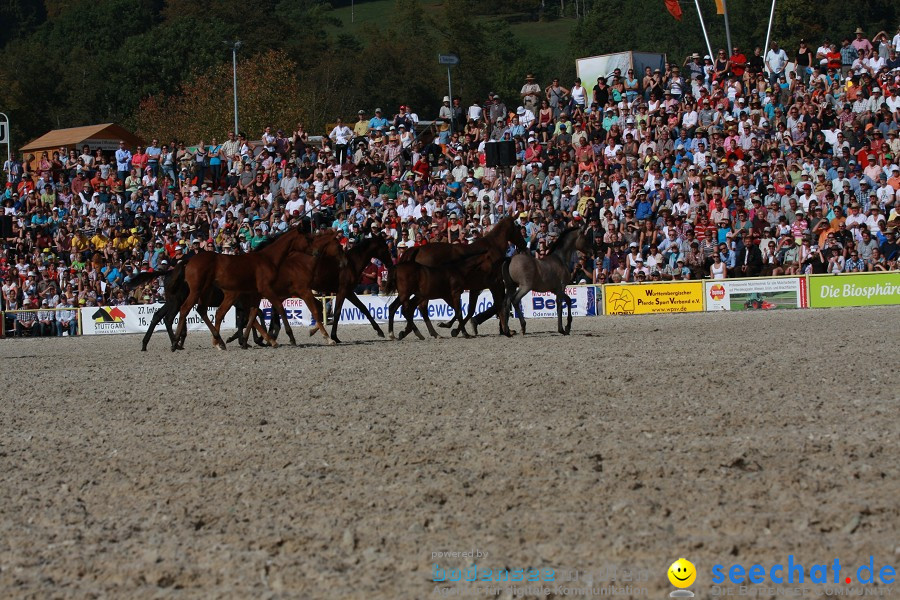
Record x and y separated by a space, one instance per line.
674 8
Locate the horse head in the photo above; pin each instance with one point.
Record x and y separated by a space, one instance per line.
325 243
582 244
509 230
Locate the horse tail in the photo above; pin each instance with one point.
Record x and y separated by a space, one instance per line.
142 278
507 278
176 280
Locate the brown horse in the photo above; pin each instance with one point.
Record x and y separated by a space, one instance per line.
479 275
342 282
417 284
304 274
254 275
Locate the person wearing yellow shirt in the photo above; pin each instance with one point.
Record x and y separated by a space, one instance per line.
80 242
133 241
120 242
99 241
361 127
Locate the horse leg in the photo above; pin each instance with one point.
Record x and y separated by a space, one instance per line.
569 306
423 308
355 301
515 301
162 311
201 310
560 302
240 320
316 311
224 307
261 318
186 307
409 309
392 309
457 306
252 322
449 324
278 311
315 327
473 297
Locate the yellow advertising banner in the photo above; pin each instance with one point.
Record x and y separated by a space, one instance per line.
649 298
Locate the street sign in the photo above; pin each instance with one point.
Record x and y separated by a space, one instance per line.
448 59
4 132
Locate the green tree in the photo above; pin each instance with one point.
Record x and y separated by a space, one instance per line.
268 94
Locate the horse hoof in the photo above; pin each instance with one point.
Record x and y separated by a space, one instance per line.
274 344
380 333
399 337
144 349
330 342
392 338
455 333
313 331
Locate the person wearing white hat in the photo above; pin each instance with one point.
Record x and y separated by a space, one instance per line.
446 112
526 117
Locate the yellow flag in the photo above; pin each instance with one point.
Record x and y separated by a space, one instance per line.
719 9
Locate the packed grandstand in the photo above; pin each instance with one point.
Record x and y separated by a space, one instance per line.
739 165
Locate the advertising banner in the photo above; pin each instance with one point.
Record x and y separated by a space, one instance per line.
856 289
755 294
650 298
297 312
534 304
106 320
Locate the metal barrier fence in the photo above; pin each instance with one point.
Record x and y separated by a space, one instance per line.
65 322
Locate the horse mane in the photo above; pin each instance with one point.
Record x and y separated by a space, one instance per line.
495 230
296 228
559 241
269 241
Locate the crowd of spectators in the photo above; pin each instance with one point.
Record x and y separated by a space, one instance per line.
725 166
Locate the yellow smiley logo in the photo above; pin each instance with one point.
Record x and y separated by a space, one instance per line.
682 573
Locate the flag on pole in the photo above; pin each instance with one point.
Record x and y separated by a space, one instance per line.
674 8
720 10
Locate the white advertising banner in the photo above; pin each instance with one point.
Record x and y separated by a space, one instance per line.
297 311
535 305
106 320
755 294
136 318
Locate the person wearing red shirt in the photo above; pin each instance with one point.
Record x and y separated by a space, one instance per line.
834 58
738 62
140 159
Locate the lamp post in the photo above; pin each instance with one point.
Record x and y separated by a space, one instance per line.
234 49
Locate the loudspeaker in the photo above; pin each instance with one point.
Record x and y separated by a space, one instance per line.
500 154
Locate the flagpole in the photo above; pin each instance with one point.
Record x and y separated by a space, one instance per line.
703 26
769 30
727 29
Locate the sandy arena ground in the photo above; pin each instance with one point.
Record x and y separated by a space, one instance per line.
320 472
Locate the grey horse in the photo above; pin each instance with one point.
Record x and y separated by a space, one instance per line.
524 273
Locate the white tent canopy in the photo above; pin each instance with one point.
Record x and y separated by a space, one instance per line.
592 67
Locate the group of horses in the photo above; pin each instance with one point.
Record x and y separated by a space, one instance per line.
297 264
